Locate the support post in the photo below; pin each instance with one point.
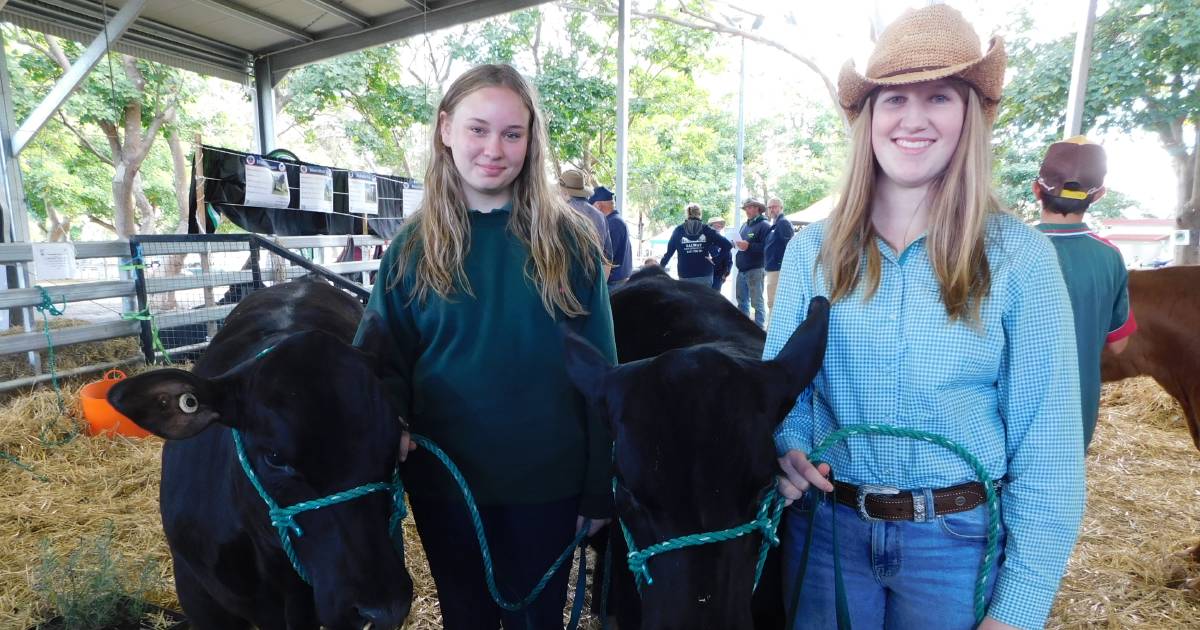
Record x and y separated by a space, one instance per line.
1080 68
264 105
741 134
621 178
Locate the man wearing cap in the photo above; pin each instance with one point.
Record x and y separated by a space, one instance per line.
618 232
752 239
722 256
777 239
576 191
1071 179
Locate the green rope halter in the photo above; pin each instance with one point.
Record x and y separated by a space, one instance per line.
770 509
284 518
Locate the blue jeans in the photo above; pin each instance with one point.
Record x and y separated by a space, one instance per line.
718 281
750 292
898 574
701 280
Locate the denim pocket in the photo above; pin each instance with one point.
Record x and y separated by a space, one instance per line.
969 525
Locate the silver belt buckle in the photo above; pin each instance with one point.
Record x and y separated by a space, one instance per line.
865 490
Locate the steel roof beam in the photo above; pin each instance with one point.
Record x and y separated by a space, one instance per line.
254 17
341 12
389 28
95 14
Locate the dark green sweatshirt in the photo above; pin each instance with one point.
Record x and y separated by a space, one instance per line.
484 378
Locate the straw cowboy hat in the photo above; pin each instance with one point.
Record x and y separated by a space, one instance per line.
931 43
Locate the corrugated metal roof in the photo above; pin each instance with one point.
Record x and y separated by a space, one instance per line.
223 38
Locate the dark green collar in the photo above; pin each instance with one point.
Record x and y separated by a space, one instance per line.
1058 228
505 208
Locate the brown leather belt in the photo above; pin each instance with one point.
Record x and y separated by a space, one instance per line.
889 504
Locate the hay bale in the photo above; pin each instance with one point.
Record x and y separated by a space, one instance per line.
1142 510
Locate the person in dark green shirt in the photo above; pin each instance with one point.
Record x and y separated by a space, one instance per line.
1070 180
473 289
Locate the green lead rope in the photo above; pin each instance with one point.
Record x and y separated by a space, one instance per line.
488 569
986 567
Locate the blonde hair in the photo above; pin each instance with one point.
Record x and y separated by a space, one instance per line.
439 235
960 200
693 211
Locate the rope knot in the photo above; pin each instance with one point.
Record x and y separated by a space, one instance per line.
47 305
284 519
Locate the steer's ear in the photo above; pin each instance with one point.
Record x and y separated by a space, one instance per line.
170 403
373 338
586 367
804 352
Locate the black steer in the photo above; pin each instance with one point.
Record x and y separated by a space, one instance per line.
693 414
314 420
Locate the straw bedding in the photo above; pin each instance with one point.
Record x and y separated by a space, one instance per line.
1143 510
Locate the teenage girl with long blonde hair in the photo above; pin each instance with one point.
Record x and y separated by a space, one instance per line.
473 288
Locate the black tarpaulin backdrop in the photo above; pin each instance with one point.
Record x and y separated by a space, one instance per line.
225 189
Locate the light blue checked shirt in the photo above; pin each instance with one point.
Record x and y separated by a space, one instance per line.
1008 393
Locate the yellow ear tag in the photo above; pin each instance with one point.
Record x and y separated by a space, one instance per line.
1074 194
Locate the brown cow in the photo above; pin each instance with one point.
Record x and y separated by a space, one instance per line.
1166 346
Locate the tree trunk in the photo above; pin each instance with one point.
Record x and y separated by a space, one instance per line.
59 231
122 187
183 179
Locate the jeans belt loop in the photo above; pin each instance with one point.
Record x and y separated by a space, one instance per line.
865 490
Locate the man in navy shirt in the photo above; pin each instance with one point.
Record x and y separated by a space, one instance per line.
752 239
622 253
777 239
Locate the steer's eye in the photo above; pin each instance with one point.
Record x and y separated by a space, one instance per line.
188 403
275 460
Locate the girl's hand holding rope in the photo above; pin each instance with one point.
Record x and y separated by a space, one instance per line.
799 474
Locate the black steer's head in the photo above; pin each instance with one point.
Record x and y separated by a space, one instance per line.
315 421
694 453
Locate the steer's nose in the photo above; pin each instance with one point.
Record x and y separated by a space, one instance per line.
383 617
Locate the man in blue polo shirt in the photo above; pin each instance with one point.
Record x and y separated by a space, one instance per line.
1071 179
622 253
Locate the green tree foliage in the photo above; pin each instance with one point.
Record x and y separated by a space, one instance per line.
101 137
370 85
1145 74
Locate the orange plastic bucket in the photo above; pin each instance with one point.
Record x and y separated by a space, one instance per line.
100 415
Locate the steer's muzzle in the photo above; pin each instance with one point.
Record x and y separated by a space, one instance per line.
384 617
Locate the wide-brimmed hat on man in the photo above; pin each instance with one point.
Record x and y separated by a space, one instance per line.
574 183
934 42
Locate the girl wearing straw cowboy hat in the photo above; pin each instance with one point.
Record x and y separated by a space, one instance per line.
950 317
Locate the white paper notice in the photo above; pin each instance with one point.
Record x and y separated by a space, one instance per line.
53 261
411 197
316 188
266 183
364 193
